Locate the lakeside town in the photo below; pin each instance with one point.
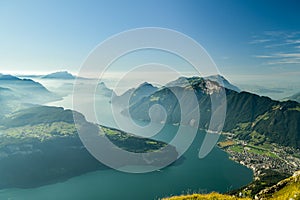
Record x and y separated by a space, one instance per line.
285 160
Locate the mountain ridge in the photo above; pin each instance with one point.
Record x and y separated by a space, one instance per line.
246 113
133 95
59 75
15 92
295 97
221 80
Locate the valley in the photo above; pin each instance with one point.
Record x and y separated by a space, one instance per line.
29 133
150 100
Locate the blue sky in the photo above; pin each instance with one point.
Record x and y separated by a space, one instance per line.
249 37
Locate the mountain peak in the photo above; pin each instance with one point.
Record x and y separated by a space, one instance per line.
185 81
59 75
104 90
145 84
8 77
222 81
101 84
135 94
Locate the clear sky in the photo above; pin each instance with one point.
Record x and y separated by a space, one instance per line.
248 37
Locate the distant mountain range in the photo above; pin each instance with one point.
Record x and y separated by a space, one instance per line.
102 89
59 75
26 90
15 91
146 89
55 75
134 95
249 116
295 97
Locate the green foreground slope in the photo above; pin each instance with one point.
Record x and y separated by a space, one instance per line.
287 189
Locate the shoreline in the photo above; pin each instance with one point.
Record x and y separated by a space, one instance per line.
259 158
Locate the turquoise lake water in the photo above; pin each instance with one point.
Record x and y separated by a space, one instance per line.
215 172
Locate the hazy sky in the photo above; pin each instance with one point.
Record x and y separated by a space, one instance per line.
244 38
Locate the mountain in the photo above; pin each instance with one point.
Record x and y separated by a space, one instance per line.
40 145
6 93
222 80
7 77
59 75
135 94
8 100
181 82
15 91
250 117
288 189
295 97
102 89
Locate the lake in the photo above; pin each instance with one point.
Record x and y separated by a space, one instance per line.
215 172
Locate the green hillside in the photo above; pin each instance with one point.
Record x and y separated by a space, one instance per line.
17 93
212 196
247 113
287 189
40 145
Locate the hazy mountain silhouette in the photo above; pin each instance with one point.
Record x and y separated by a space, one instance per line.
15 92
295 97
135 94
59 75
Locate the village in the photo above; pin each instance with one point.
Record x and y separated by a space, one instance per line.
278 158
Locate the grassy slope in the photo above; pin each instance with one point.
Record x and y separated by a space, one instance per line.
287 189
211 196
42 123
289 192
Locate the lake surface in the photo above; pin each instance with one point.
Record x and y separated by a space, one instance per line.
215 172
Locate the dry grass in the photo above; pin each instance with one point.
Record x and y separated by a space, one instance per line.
291 191
211 196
